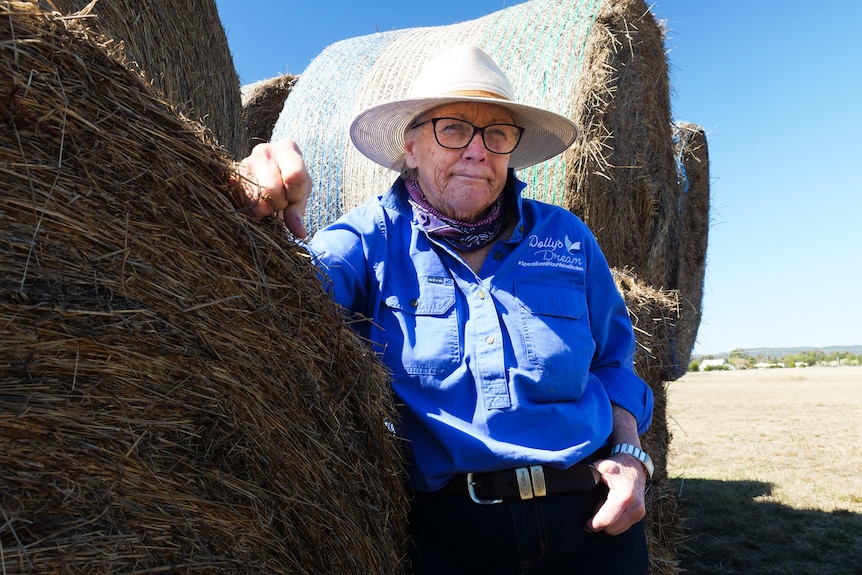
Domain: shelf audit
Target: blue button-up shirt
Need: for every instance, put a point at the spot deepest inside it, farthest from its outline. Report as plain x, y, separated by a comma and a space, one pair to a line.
517, 365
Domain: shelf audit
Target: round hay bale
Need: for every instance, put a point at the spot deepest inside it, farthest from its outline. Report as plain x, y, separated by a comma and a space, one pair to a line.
262, 102
600, 63
179, 394
181, 47
692, 156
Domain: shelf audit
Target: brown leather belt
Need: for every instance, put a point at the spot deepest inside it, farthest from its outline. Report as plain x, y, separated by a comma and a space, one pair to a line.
523, 482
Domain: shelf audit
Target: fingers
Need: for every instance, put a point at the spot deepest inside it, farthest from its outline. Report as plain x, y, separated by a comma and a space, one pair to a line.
624, 505
294, 177
292, 216
296, 185
276, 182
254, 199
615, 517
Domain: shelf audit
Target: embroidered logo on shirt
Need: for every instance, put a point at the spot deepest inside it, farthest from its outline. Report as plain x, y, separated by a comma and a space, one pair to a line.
555, 252
439, 280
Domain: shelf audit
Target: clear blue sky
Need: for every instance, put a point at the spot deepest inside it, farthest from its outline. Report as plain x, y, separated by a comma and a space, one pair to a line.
777, 86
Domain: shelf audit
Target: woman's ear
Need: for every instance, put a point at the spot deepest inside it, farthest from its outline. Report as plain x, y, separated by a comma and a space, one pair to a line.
409, 155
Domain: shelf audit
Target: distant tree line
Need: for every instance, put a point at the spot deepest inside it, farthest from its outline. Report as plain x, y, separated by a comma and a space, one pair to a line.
740, 359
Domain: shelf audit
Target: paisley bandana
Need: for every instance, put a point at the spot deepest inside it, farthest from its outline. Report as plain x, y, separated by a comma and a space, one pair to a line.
464, 236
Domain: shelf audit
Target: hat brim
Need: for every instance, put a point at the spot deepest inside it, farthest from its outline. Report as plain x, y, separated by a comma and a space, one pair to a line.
378, 132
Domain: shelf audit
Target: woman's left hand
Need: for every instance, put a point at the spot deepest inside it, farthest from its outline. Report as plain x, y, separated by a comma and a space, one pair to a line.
625, 477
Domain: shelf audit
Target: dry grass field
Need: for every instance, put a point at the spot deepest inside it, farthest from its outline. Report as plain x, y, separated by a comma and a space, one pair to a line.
768, 470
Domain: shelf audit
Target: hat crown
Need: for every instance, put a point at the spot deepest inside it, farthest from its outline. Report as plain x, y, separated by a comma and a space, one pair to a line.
462, 70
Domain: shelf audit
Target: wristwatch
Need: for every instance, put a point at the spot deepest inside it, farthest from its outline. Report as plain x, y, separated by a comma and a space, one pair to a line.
638, 454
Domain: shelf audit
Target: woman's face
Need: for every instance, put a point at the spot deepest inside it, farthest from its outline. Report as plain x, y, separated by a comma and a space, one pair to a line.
461, 184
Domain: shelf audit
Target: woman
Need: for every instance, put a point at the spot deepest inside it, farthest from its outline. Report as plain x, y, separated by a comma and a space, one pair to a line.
509, 345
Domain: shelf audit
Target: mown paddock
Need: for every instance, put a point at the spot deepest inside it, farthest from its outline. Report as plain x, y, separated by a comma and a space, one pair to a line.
602, 64
182, 48
178, 393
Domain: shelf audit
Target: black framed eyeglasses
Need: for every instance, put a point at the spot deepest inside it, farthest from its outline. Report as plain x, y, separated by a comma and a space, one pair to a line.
456, 134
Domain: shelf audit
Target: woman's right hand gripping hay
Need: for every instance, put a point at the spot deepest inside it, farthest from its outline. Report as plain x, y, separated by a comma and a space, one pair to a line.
276, 182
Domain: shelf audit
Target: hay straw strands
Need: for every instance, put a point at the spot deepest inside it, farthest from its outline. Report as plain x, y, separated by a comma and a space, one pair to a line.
654, 315
177, 392
663, 531
181, 47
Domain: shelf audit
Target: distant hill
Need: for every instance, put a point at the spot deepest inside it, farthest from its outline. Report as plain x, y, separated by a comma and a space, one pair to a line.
779, 352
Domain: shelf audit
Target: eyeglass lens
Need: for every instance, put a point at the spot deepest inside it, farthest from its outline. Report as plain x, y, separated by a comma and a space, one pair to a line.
455, 134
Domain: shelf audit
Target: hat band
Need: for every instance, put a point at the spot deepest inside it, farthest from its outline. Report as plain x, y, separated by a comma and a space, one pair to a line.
476, 94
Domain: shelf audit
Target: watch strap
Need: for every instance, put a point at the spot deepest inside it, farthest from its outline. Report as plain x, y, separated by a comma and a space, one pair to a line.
638, 454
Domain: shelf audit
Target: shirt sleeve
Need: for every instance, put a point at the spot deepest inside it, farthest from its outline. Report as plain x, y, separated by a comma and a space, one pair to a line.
343, 253
615, 345
339, 253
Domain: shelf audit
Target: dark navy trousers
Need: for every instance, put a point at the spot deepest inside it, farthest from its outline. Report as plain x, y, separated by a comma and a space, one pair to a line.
452, 535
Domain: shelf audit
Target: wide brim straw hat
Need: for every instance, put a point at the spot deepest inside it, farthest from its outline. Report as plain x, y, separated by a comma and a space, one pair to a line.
461, 74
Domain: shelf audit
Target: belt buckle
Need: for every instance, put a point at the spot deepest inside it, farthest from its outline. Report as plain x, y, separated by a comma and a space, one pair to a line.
472, 491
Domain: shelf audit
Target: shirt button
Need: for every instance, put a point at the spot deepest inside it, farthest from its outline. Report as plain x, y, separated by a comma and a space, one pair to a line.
490, 340
498, 256
414, 303
481, 294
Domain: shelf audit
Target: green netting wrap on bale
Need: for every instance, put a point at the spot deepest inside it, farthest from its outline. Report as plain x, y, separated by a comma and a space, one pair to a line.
181, 47
177, 392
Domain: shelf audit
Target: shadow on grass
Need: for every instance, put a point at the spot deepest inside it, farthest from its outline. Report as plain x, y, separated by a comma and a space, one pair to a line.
734, 527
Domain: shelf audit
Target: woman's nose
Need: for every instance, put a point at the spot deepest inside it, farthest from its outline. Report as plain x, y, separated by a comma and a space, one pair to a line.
477, 144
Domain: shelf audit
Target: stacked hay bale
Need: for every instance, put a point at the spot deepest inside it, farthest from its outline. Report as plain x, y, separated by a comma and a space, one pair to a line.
182, 48
262, 103
179, 395
692, 157
602, 64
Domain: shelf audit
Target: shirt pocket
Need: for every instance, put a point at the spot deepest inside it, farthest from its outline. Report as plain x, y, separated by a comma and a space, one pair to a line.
420, 324
558, 342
